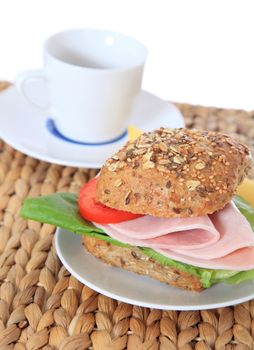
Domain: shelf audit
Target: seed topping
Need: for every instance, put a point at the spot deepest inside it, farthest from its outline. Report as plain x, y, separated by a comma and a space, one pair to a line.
190, 158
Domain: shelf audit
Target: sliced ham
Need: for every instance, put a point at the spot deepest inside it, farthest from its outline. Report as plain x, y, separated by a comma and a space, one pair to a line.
150, 226
239, 260
188, 239
224, 240
186, 233
235, 233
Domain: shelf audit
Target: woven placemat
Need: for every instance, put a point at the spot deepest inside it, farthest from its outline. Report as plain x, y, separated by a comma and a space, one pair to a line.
43, 306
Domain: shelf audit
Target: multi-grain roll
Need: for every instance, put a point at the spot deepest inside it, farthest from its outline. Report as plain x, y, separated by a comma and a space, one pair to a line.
174, 173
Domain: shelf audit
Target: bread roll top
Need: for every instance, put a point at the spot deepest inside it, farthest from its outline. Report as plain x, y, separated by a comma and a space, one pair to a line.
174, 173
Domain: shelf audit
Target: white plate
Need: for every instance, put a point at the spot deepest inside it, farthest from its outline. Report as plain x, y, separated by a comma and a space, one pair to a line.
139, 290
24, 127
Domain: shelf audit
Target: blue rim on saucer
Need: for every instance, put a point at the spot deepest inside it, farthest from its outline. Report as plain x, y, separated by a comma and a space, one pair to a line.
51, 127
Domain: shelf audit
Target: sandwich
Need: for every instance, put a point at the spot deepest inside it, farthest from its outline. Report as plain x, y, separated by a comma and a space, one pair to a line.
164, 206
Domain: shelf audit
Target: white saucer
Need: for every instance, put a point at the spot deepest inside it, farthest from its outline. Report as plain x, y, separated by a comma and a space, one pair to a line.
24, 127
140, 290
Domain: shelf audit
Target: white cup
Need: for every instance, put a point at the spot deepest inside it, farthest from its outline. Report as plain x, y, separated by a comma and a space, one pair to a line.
92, 77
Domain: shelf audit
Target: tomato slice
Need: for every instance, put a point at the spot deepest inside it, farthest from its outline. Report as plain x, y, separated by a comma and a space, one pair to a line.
92, 210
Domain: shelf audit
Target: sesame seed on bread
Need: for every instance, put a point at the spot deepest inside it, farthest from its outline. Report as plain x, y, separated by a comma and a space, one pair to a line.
174, 173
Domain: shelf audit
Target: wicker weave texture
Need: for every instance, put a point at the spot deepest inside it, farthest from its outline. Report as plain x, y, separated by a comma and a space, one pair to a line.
43, 306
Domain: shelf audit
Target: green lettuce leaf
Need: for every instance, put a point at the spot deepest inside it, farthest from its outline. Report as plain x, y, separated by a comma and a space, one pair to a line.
246, 209
61, 209
241, 277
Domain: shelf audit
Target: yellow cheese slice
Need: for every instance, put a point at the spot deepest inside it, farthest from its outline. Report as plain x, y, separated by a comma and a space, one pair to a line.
133, 132
246, 190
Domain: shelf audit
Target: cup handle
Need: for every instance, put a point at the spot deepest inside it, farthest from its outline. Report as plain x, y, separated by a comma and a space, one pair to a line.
28, 77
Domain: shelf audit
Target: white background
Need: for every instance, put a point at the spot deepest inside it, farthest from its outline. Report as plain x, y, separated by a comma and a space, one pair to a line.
200, 51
